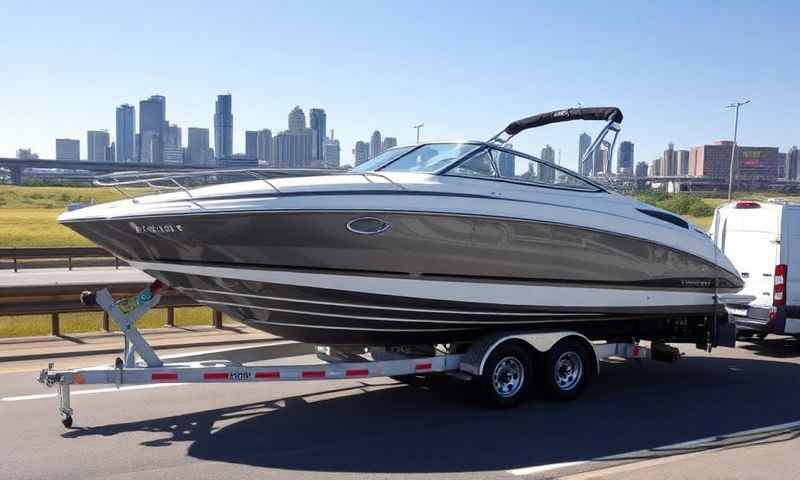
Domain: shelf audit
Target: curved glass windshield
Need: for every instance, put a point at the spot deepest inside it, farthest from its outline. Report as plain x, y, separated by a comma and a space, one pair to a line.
383, 158
430, 158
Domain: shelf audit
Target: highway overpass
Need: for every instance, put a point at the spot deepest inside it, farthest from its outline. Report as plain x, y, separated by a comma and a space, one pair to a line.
17, 166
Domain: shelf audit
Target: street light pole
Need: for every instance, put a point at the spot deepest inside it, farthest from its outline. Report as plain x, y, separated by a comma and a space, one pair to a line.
735, 105
418, 127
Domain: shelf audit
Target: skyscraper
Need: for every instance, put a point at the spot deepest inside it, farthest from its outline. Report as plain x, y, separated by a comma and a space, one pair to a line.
293, 148
96, 143
251, 143
174, 136
584, 142
264, 151
389, 142
297, 119
641, 169
360, 153
547, 174
669, 165
332, 153
68, 149
375, 144
625, 160
125, 133
602, 159
682, 162
152, 121
110, 153
317, 120
198, 151
792, 163
223, 126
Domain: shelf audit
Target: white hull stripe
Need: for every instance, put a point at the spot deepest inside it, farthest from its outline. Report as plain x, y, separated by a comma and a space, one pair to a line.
380, 307
445, 290
384, 319
360, 329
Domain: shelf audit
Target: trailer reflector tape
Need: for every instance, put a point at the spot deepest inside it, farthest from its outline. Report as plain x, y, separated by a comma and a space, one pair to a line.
216, 376
164, 376
268, 375
423, 366
79, 378
357, 372
314, 374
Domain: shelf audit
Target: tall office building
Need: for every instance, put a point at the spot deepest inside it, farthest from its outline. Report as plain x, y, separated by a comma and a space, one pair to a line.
251, 143
389, 142
360, 153
297, 119
68, 149
96, 143
682, 162
198, 151
506, 162
152, 128
641, 169
293, 148
655, 167
625, 159
793, 163
174, 135
110, 152
264, 150
782, 159
332, 153
669, 164
375, 144
317, 120
125, 133
223, 126
584, 142
547, 174
601, 164
173, 154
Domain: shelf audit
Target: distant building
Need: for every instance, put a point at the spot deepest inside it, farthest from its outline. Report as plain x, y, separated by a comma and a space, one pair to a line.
297, 119
389, 142
110, 152
782, 158
251, 143
375, 144
547, 174
655, 168
293, 148
625, 159
197, 150
505, 162
223, 125
360, 153
602, 159
68, 149
152, 128
584, 142
26, 154
174, 136
669, 166
332, 153
641, 169
751, 163
96, 143
793, 163
173, 154
238, 160
682, 161
264, 150
125, 133
317, 121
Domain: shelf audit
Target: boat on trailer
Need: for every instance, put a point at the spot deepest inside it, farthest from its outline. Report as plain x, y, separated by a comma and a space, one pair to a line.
437, 242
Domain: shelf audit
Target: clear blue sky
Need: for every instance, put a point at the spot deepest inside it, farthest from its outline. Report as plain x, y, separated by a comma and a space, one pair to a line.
465, 69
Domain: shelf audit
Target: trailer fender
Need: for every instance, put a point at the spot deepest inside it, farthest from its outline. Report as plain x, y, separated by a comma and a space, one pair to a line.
476, 357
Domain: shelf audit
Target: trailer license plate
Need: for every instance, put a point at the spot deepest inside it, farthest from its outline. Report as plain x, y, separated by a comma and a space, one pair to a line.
739, 312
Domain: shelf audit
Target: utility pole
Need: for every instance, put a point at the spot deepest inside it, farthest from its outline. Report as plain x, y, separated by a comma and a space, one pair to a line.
418, 127
735, 105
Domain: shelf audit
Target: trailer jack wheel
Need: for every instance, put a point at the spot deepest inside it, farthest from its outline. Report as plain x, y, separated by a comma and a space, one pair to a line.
506, 376
66, 420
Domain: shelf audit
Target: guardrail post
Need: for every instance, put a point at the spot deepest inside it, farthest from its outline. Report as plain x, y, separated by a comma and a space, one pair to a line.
55, 324
116, 263
104, 325
15, 265
216, 321
69, 263
170, 316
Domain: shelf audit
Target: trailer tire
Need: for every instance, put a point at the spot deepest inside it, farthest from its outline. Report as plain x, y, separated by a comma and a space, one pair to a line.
566, 370
507, 375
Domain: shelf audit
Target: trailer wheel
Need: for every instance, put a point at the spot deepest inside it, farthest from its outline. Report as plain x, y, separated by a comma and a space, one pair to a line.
567, 370
506, 376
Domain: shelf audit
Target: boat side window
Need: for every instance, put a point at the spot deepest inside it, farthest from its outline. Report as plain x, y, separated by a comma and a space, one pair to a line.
521, 169
479, 165
430, 158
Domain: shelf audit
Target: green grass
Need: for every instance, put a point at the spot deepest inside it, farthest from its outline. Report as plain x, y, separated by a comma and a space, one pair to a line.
71, 323
13, 196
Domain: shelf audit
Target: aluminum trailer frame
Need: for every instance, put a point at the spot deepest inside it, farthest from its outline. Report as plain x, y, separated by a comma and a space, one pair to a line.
460, 360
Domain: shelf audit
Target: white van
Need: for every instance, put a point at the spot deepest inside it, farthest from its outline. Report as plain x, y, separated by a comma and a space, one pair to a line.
762, 239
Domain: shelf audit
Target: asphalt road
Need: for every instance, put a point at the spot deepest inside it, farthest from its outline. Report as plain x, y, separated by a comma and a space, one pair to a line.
629, 424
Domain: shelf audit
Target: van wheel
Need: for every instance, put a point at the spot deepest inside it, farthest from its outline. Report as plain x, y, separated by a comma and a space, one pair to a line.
507, 375
567, 370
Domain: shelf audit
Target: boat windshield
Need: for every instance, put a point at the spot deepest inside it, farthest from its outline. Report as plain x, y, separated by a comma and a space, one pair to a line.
382, 159
430, 158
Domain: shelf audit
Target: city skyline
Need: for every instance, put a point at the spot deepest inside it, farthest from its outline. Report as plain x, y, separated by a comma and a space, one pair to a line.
687, 108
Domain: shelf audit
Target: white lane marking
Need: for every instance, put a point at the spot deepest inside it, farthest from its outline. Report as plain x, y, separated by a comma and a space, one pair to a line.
95, 390
652, 461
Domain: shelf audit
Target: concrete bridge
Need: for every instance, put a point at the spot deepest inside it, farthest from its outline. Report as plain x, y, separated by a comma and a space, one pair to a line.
17, 166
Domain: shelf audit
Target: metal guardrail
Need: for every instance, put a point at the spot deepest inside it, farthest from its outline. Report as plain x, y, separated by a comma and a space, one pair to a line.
51, 253
54, 300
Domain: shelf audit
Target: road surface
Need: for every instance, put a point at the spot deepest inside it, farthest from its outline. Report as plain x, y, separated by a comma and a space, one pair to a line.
631, 423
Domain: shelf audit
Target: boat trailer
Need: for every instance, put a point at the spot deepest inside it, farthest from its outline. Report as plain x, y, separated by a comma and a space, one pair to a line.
499, 360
